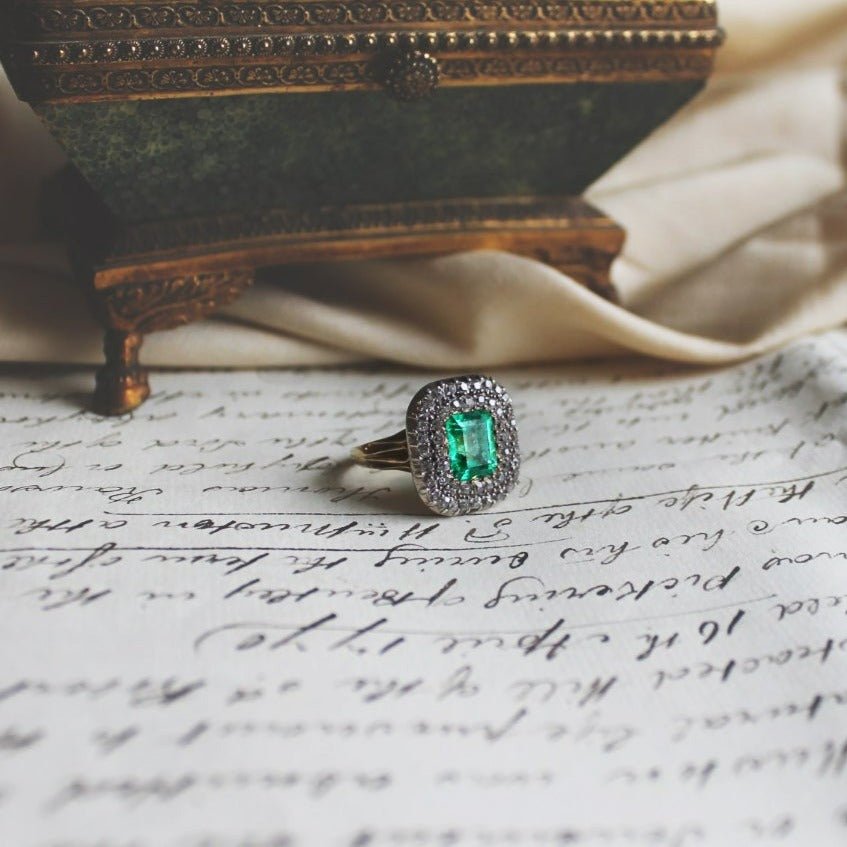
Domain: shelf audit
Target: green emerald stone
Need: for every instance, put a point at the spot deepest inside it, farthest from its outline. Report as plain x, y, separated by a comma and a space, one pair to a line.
471, 445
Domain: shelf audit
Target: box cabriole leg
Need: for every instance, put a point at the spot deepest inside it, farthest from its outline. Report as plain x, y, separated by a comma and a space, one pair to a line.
122, 384
130, 310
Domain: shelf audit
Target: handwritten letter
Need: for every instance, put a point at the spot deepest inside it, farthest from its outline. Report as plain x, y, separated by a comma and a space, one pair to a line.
216, 632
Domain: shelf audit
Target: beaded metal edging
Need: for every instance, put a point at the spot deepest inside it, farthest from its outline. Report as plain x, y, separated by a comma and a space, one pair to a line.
69, 53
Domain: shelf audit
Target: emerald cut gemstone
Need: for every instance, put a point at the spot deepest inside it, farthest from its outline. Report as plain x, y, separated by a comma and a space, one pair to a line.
471, 445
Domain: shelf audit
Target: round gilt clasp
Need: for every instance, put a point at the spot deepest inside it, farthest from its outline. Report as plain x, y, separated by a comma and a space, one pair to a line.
412, 76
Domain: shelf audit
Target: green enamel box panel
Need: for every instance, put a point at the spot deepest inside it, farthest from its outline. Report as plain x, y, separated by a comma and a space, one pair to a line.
158, 159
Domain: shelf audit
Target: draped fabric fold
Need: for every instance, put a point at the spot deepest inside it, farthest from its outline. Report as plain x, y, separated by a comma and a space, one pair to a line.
736, 213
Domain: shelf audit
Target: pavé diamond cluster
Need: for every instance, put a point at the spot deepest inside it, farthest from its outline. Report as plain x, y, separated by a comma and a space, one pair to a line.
463, 444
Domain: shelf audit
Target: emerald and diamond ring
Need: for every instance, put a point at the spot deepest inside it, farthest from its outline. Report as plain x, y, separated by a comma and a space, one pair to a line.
460, 444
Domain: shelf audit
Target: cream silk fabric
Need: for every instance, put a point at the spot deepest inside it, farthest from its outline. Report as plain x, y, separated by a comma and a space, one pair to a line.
736, 212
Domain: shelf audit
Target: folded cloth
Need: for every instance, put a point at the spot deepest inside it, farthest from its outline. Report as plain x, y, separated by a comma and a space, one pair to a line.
736, 213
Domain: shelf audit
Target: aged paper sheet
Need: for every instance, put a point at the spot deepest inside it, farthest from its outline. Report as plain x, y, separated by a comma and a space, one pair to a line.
215, 633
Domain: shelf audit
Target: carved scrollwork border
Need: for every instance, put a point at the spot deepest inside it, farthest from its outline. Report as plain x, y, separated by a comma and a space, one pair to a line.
50, 18
167, 303
57, 84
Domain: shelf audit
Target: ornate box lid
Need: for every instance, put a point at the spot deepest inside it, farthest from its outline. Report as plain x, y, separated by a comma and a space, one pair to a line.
79, 50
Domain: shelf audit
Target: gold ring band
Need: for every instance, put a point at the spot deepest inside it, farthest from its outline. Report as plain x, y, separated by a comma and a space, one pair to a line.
386, 454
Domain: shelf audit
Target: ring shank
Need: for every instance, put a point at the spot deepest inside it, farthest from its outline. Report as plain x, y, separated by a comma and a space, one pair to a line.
391, 453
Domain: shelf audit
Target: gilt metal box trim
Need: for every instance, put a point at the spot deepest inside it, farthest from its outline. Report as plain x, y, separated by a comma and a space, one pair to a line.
68, 51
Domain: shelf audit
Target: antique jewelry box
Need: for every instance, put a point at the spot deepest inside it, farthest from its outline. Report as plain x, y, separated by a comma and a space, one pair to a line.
212, 138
